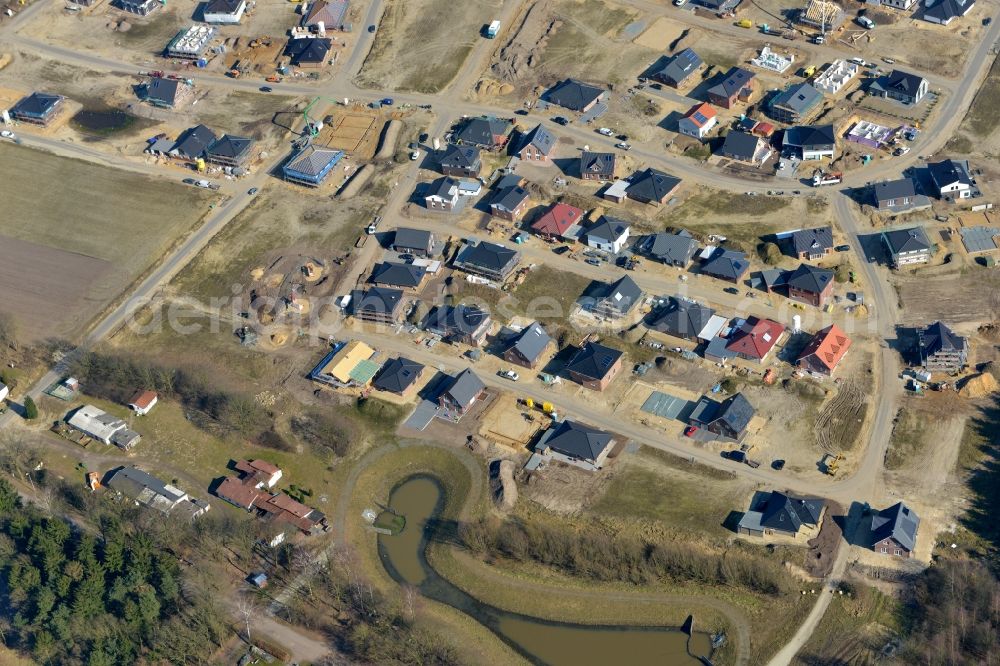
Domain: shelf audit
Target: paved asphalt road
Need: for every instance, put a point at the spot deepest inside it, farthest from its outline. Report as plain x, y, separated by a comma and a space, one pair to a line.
860, 485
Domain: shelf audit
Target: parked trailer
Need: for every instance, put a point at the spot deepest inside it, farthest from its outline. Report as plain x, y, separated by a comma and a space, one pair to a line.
821, 178
492, 30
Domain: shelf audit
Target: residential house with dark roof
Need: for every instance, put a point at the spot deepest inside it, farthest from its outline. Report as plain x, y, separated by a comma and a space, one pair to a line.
309, 52
594, 365
379, 305
673, 249
619, 299
811, 142
698, 121
397, 275
486, 132
754, 338
597, 166
461, 161
509, 203
812, 243
894, 530
311, 165
161, 92
228, 12
528, 347
898, 195
779, 514
729, 265
490, 260
417, 242
609, 234
907, 246
137, 7
796, 103
736, 86
809, 284
720, 7
38, 108
537, 145
901, 86
576, 444
465, 324
825, 351
557, 220
944, 12
652, 186
728, 419
678, 69
230, 151
951, 178
941, 349
462, 393
745, 147
575, 95
686, 319
145, 489
192, 143
400, 376
442, 194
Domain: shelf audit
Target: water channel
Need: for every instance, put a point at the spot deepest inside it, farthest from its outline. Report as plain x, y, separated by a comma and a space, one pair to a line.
420, 499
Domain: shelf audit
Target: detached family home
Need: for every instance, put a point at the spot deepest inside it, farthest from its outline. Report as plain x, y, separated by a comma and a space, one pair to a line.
687, 319
227, 12
38, 108
737, 86
673, 249
811, 142
576, 444
145, 489
536, 146
104, 427
230, 150
309, 52
597, 166
698, 121
492, 261
941, 349
486, 132
907, 246
461, 161
754, 338
745, 147
951, 178
901, 86
557, 220
812, 243
465, 324
825, 351
462, 393
895, 194
678, 69
594, 366
609, 234
944, 12
417, 242
783, 515
575, 95
652, 186
528, 347
378, 305
894, 530
809, 284
442, 194
399, 376
729, 418
795, 103
619, 299
509, 203
397, 275
729, 265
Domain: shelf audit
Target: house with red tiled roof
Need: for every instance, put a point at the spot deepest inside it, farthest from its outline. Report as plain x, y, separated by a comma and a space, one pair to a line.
142, 402
557, 220
754, 339
826, 349
699, 121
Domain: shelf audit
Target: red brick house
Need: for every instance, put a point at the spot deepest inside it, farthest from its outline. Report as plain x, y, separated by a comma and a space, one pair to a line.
811, 285
536, 146
594, 366
557, 220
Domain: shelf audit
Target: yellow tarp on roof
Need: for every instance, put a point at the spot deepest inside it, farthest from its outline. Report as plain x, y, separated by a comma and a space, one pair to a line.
348, 358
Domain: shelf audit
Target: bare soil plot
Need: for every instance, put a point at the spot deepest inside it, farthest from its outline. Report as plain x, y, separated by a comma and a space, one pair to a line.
660, 35
965, 298
45, 288
421, 44
107, 215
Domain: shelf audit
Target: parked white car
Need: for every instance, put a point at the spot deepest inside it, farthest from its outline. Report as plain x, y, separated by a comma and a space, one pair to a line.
605, 131
509, 374
7, 134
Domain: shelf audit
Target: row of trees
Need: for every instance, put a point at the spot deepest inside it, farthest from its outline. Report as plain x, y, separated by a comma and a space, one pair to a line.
72, 597
595, 554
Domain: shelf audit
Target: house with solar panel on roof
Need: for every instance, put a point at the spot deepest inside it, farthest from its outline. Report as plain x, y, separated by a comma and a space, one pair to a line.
527, 347
311, 165
38, 108
678, 69
737, 85
893, 531
594, 365
350, 364
536, 146
698, 121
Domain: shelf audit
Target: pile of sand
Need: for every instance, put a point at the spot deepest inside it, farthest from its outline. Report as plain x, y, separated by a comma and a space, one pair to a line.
257, 273
507, 497
311, 272
274, 279
523, 51
492, 88
979, 386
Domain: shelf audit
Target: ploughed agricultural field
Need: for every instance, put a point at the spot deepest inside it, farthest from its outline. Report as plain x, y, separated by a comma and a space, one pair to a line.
74, 235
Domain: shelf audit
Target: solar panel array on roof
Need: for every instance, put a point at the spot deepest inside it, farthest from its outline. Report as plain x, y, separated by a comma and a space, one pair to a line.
700, 117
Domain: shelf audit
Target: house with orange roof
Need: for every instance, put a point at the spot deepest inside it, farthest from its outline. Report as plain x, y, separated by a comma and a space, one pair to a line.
754, 338
557, 220
142, 402
698, 122
826, 349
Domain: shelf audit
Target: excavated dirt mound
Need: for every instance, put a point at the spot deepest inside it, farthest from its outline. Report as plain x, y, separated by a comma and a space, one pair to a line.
521, 53
979, 386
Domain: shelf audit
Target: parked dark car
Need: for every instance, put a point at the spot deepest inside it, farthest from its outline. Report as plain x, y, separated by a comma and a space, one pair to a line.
843, 248
778, 465
732, 290
735, 456
371, 28
559, 120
